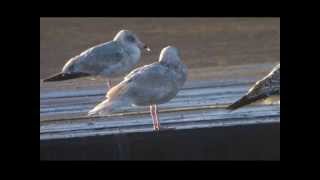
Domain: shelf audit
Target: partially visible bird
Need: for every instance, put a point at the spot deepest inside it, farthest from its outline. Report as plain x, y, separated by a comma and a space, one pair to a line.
148, 85
109, 60
267, 87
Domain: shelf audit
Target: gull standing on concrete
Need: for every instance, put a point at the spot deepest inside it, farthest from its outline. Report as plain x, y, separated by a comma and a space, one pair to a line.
111, 59
264, 88
148, 85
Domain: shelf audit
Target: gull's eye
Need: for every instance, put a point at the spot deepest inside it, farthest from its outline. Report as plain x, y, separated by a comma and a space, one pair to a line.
130, 39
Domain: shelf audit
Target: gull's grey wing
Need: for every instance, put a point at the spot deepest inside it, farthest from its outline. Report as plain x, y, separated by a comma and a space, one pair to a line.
97, 59
135, 71
268, 86
151, 84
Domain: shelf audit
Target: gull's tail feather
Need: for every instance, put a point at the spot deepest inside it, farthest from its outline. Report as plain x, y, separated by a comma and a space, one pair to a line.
115, 100
245, 100
65, 76
106, 107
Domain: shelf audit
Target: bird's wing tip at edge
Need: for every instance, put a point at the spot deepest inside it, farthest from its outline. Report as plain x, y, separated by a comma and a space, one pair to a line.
52, 77
65, 76
231, 107
243, 101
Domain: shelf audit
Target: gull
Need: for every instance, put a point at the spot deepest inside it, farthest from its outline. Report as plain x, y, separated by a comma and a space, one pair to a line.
267, 87
109, 60
148, 85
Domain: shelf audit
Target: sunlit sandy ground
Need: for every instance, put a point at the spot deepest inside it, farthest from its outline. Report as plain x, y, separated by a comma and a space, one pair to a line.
204, 42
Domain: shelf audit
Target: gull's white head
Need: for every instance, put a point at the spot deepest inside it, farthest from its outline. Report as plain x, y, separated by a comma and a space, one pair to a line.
128, 38
169, 55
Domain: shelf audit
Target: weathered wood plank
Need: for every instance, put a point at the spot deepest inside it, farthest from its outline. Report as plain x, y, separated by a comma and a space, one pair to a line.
190, 96
197, 105
142, 122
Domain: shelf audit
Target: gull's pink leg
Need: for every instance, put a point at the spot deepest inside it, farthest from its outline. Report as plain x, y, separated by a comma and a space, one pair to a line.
109, 84
157, 119
153, 117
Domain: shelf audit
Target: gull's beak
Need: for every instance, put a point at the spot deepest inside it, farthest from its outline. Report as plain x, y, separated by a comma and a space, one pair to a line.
146, 48
142, 45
